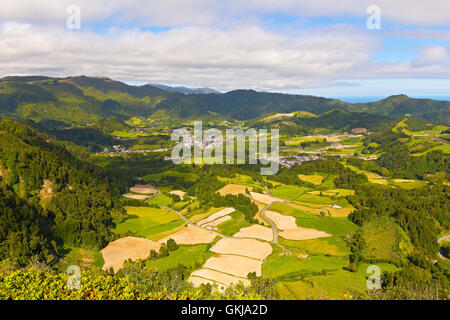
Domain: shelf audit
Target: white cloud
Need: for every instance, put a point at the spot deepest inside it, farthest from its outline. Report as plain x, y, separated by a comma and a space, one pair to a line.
244, 57
206, 12
207, 46
431, 56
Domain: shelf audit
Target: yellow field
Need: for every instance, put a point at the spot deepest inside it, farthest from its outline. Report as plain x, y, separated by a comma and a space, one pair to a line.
135, 196
264, 198
235, 265
313, 178
217, 215
143, 189
255, 231
191, 235
281, 221
300, 233
178, 193
234, 189
127, 248
219, 277
251, 248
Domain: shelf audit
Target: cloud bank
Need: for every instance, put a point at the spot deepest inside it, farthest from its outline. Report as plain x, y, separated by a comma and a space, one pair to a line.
221, 44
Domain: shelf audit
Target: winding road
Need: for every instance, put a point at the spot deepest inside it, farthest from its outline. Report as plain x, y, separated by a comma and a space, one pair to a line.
274, 228
179, 213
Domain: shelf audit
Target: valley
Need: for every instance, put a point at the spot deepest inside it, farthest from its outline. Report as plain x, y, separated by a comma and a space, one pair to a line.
96, 188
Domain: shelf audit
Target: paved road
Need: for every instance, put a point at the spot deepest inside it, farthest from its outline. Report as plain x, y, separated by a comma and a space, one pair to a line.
440, 240
179, 213
215, 232
274, 228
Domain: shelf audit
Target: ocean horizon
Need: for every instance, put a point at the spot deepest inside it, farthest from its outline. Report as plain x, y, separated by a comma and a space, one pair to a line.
374, 99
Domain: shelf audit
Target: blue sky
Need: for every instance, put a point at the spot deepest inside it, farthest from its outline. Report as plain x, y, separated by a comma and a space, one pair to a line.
320, 47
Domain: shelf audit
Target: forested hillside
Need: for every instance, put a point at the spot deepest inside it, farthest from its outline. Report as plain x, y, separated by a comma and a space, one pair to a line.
50, 198
84, 100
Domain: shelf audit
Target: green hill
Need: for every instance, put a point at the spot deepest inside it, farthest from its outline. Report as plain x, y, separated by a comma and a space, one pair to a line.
70, 201
84, 100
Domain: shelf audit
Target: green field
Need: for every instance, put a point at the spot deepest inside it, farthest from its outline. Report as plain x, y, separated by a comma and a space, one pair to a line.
232, 226
289, 192
188, 256
385, 241
156, 177
161, 200
317, 276
81, 257
243, 180
149, 222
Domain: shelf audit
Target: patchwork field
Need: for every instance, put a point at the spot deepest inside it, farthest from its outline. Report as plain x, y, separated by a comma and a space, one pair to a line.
235, 265
264, 198
217, 215
216, 276
312, 178
217, 221
191, 235
281, 221
188, 256
178, 193
289, 192
300, 233
149, 222
290, 230
255, 231
251, 248
143, 189
127, 248
234, 189
136, 196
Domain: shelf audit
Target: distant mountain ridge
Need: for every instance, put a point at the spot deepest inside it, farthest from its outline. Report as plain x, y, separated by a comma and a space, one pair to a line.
85, 100
185, 90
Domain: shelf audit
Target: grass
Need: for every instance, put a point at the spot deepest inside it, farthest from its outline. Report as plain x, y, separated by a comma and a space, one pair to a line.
233, 226
317, 199
332, 246
317, 277
84, 258
352, 140
161, 200
408, 184
332, 225
312, 178
149, 222
298, 290
289, 192
338, 192
278, 264
199, 213
156, 177
385, 241
242, 180
335, 286
188, 256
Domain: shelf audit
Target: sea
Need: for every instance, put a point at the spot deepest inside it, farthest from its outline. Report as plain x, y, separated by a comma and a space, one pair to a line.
373, 99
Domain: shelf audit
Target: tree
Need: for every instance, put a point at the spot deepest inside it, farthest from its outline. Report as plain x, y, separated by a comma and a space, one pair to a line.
172, 245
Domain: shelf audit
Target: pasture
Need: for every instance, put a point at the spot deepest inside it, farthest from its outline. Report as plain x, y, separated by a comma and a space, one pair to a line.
149, 222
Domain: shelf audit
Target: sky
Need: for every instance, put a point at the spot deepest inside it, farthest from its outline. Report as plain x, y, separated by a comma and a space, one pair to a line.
332, 48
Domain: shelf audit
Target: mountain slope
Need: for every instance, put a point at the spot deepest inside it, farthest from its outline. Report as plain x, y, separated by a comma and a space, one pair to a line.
401, 105
185, 90
72, 198
85, 100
